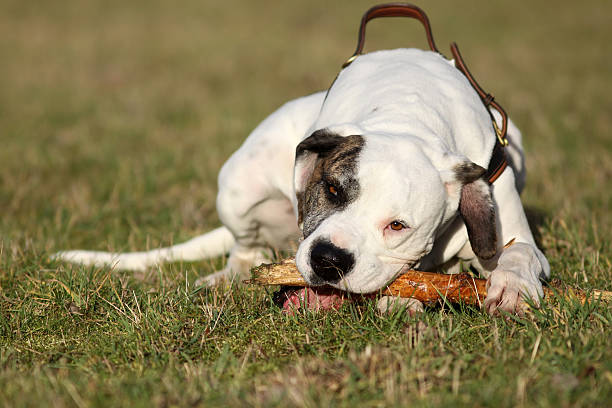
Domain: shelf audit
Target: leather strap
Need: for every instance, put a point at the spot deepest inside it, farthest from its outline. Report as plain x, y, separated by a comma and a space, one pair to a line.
498, 160
497, 164
394, 10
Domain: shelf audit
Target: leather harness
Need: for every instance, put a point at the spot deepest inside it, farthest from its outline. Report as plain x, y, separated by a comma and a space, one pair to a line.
498, 161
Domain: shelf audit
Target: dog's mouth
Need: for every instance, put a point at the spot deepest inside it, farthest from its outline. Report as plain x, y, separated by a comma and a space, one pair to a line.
292, 299
319, 296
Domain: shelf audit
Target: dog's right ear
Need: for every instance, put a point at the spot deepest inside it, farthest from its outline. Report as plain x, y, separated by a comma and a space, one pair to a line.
315, 146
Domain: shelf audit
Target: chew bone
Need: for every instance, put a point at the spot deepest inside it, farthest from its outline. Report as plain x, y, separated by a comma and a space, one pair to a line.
427, 287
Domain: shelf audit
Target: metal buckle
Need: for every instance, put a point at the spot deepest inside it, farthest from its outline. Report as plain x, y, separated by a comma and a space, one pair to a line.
348, 61
502, 139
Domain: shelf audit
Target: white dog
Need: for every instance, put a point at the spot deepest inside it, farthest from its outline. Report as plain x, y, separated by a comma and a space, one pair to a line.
382, 173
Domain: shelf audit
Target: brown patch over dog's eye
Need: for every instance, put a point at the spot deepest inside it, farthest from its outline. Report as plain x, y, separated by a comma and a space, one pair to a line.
330, 185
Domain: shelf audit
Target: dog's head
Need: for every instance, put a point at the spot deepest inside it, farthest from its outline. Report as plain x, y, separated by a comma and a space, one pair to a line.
371, 206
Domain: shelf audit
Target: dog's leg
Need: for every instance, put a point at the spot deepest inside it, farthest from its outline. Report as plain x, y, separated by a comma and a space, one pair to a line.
238, 267
260, 222
514, 153
255, 186
519, 268
212, 244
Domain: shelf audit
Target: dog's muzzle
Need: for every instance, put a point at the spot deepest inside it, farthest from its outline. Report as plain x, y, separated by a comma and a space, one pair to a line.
329, 262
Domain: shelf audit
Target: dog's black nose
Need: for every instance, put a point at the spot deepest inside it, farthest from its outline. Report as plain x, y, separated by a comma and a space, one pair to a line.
329, 262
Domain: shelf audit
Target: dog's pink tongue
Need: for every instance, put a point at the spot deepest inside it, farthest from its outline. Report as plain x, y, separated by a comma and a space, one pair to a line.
313, 299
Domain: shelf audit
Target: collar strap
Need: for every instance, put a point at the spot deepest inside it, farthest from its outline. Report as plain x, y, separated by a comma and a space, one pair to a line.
498, 160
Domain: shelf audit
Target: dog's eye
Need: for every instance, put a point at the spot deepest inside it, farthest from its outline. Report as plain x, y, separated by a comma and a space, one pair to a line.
396, 225
333, 190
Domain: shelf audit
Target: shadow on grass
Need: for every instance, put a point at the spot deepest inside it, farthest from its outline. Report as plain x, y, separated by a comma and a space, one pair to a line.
536, 218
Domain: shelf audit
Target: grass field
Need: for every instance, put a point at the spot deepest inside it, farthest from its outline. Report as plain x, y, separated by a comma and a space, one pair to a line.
115, 118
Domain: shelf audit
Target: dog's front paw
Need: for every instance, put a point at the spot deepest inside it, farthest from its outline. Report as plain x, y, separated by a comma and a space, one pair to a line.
224, 277
506, 290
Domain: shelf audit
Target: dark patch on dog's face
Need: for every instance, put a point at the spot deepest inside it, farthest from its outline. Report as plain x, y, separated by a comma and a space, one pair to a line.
332, 185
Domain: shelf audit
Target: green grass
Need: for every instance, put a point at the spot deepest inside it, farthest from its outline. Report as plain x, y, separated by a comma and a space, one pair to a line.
115, 118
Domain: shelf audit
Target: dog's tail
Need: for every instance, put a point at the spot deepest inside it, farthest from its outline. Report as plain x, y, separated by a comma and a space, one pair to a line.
214, 243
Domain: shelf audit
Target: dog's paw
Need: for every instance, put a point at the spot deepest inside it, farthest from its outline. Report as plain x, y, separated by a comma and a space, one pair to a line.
390, 304
507, 291
224, 277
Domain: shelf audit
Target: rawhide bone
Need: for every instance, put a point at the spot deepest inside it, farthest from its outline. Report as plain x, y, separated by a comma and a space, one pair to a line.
427, 287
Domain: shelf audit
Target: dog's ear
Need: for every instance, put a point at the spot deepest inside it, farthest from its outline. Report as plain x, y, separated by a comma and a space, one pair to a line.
477, 209
315, 146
